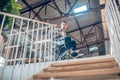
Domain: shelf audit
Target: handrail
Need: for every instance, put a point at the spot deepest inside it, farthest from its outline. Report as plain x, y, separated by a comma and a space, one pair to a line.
11, 15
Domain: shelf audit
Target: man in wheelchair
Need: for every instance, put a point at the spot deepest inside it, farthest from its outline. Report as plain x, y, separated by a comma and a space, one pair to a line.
68, 50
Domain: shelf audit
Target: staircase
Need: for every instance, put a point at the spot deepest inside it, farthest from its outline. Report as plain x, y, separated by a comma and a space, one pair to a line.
96, 66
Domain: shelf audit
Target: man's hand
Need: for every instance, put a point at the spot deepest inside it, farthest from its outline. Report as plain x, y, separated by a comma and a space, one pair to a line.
55, 25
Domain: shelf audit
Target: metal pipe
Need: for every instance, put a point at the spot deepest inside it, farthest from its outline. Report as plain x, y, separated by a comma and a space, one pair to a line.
3, 20
51, 47
48, 43
41, 47
31, 47
36, 48
45, 57
25, 49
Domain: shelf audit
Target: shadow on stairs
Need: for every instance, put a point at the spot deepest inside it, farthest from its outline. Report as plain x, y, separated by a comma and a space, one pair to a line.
90, 67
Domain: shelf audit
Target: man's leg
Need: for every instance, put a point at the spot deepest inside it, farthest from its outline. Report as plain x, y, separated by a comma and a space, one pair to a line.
68, 47
68, 42
73, 45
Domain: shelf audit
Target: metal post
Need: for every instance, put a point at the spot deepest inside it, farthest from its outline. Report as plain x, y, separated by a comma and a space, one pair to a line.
25, 49
3, 22
31, 47
40, 44
16, 49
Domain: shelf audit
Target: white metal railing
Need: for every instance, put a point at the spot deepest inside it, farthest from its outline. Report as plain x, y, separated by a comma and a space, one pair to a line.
28, 42
112, 15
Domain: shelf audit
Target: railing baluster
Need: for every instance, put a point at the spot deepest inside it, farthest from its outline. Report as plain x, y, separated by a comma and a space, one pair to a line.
16, 52
25, 50
31, 47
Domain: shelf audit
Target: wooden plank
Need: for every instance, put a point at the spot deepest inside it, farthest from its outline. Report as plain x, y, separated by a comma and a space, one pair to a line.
96, 72
105, 31
104, 26
71, 63
82, 67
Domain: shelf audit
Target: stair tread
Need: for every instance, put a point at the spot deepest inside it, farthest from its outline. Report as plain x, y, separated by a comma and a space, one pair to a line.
70, 63
82, 67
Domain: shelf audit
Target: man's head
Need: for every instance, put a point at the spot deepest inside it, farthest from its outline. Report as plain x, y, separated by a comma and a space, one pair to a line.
64, 25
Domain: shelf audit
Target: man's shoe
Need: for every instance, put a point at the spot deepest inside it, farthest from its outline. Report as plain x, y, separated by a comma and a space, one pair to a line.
79, 55
74, 54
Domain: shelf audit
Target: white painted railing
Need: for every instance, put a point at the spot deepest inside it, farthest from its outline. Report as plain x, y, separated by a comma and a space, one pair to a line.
112, 14
28, 42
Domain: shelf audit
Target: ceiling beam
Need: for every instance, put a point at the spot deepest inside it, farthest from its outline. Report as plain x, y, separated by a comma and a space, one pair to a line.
45, 12
55, 4
35, 5
97, 42
55, 8
71, 6
86, 26
38, 12
24, 1
71, 14
74, 38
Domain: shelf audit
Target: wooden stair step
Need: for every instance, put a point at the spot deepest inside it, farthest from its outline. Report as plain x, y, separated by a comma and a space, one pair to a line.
81, 67
84, 73
71, 63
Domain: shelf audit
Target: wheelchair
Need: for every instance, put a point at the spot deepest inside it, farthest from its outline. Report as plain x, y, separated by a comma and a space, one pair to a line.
63, 47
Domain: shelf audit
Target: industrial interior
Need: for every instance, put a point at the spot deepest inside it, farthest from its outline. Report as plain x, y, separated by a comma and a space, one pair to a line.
60, 40
87, 25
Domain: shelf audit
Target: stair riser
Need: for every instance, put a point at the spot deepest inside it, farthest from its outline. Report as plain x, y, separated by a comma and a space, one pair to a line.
59, 64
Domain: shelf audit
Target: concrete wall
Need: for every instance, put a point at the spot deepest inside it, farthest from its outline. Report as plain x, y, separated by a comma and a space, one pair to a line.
34, 68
